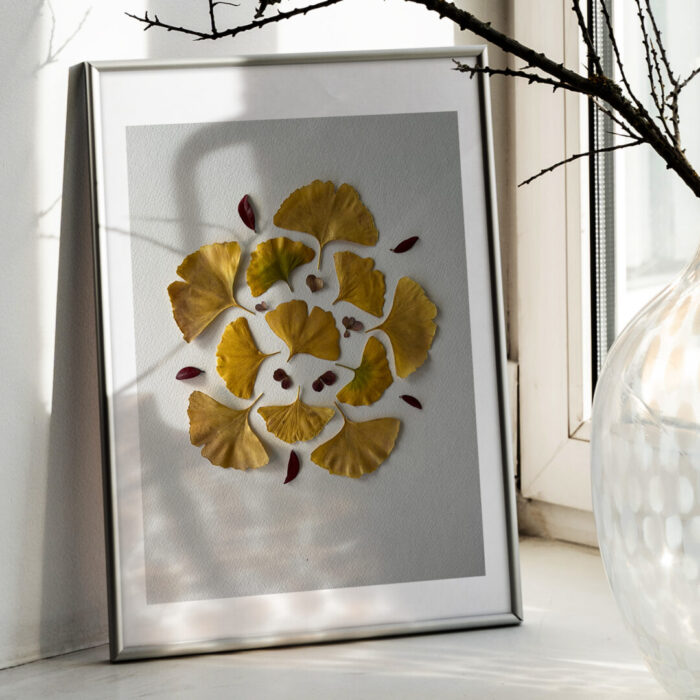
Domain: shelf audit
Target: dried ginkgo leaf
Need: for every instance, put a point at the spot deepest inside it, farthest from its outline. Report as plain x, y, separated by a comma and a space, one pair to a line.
208, 287
238, 358
372, 378
359, 283
314, 333
410, 326
328, 215
359, 448
227, 438
274, 260
296, 422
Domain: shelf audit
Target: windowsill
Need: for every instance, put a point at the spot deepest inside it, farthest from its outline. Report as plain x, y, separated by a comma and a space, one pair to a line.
572, 644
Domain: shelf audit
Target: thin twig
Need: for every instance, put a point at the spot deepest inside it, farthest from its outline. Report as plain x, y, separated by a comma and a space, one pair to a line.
684, 83
662, 48
509, 72
653, 67
212, 21
587, 38
613, 117
214, 34
586, 154
673, 95
618, 57
263, 5
155, 22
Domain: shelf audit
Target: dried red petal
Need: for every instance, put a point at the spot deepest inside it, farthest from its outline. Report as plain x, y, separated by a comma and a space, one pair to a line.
346, 334
411, 400
245, 211
286, 382
189, 373
262, 306
279, 374
405, 245
317, 385
357, 326
292, 467
348, 321
329, 378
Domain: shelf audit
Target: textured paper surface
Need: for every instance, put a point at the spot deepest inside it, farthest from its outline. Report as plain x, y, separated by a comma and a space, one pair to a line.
213, 533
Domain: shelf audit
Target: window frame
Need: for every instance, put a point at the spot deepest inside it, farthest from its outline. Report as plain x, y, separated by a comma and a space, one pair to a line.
553, 298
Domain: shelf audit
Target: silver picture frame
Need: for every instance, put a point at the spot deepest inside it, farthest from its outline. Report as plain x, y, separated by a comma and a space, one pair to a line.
140, 628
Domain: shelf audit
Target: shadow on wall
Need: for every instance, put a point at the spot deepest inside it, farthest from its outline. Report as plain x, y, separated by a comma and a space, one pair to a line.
73, 585
74, 595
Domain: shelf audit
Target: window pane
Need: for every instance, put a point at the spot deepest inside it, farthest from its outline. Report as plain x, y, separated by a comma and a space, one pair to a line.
652, 232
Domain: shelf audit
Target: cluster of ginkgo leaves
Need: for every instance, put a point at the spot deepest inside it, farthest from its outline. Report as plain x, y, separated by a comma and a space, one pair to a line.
207, 289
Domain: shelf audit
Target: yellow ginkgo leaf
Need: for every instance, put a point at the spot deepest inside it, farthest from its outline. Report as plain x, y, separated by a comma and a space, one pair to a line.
410, 326
274, 260
227, 438
372, 378
296, 422
359, 448
314, 333
328, 215
208, 287
359, 283
238, 358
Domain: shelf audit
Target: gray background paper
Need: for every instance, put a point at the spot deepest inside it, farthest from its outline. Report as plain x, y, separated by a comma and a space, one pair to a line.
215, 533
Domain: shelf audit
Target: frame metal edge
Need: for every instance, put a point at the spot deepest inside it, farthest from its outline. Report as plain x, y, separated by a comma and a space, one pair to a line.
108, 477
500, 340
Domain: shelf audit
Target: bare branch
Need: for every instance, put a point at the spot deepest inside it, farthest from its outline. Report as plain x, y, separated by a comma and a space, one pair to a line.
618, 100
599, 87
587, 38
578, 156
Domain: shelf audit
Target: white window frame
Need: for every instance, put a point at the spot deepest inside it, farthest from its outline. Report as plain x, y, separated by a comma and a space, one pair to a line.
553, 305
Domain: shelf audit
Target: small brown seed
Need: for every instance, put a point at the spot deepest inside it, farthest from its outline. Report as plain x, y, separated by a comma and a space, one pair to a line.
262, 306
286, 383
317, 385
314, 283
329, 378
279, 374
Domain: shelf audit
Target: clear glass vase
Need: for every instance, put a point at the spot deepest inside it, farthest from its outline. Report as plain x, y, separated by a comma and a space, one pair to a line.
646, 479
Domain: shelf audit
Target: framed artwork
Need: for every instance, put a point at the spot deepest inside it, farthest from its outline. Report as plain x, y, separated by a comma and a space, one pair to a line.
300, 333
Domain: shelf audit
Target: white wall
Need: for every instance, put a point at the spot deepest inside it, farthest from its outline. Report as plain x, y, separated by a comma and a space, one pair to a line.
52, 576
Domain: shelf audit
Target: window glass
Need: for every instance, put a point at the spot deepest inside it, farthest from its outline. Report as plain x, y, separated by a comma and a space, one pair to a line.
646, 227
